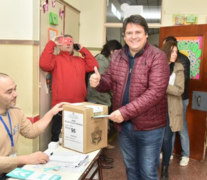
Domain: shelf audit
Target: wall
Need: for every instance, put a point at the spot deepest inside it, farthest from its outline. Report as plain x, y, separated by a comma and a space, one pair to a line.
154, 39
19, 51
114, 33
18, 23
17, 61
75, 3
91, 21
35, 20
183, 7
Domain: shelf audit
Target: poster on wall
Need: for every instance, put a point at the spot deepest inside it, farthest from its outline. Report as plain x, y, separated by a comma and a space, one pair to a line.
183, 19
52, 33
192, 48
48, 83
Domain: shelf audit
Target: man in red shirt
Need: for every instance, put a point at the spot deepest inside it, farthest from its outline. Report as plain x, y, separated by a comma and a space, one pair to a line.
68, 74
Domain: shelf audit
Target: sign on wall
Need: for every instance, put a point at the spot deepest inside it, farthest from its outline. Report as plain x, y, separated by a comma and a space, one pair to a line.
52, 33
192, 48
183, 19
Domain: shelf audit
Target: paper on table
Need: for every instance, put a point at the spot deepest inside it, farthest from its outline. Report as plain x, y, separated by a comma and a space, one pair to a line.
101, 116
72, 159
63, 166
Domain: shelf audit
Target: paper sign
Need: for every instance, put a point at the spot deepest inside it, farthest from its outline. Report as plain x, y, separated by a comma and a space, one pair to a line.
73, 130
97, 110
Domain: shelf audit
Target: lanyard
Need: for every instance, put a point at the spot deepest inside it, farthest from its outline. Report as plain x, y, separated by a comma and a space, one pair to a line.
7, 129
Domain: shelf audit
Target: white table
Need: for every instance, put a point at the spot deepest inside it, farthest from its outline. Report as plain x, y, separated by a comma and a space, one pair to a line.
92, 168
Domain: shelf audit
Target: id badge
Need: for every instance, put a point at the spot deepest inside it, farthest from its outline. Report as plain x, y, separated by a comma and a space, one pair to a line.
13, 153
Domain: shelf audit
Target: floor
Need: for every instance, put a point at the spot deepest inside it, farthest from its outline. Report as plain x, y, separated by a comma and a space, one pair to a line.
194, 171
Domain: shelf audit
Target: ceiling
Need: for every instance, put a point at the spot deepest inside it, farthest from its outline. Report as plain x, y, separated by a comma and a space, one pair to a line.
142, 2
149, 6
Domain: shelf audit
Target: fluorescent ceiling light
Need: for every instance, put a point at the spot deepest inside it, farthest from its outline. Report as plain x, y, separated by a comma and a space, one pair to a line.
118, 15
113, 9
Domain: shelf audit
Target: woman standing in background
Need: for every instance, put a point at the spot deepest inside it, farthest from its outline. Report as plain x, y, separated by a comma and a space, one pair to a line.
175, 107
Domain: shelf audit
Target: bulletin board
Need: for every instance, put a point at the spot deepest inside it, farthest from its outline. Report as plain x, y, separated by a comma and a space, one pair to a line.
192, 47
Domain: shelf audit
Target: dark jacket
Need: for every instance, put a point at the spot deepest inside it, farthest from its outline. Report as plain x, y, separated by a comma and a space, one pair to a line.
186, 64
147, 107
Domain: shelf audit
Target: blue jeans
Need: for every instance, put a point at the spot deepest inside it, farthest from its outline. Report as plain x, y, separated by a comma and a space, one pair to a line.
184, 137
167, 144
140, 150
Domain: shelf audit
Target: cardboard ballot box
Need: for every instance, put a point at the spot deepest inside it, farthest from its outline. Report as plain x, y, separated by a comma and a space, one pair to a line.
81, 132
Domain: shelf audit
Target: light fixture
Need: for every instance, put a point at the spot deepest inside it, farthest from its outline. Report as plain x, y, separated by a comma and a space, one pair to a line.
148, 13
115, 11
130, 10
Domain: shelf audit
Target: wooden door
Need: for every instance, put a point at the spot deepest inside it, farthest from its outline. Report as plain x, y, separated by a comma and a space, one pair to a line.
196, 119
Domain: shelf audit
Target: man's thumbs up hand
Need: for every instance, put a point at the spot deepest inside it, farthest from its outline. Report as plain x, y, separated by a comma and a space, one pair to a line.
96, 71
95, 78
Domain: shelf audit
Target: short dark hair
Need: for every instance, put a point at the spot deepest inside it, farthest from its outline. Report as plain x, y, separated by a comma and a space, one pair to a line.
110, 46
67, 35
170, 38
167, 49
136, 19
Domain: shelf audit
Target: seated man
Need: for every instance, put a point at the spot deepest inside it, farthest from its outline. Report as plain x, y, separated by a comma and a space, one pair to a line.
12, 123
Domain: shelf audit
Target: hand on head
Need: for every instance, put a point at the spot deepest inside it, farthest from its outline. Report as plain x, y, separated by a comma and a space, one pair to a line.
95, 78
56, 39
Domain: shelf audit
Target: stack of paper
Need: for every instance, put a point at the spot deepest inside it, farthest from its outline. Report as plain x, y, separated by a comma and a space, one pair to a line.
71, 159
